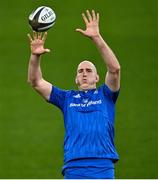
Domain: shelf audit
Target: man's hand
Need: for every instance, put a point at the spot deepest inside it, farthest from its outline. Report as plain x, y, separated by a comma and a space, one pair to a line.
92, 24
37, 43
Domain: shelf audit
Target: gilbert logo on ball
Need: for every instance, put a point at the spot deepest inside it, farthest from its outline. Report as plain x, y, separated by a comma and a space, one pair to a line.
42, 18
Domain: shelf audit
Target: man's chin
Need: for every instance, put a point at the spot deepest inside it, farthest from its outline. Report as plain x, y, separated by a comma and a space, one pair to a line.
85, 87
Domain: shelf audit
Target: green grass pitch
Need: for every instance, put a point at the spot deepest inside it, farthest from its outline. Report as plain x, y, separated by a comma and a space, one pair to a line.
32, 131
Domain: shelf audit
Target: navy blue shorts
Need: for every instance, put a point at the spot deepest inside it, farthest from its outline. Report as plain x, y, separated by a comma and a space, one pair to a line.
89, 173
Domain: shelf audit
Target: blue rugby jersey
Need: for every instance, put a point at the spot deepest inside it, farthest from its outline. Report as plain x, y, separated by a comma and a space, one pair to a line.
89, 122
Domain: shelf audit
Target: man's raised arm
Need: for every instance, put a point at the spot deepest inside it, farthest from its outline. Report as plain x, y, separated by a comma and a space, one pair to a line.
35, 78
112, 78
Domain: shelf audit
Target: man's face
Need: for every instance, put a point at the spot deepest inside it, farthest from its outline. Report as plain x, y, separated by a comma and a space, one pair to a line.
86, 77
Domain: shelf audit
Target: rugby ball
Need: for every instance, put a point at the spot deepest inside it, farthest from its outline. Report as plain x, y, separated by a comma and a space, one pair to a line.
42, 18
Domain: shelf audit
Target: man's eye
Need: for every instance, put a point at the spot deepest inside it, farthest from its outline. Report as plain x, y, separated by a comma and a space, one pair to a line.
80, 71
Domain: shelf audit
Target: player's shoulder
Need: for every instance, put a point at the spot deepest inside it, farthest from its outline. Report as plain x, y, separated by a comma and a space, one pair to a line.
107, 92
105, 88
102, 88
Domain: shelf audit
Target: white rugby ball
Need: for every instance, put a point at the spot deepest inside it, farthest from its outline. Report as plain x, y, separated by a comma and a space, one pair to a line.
42, 18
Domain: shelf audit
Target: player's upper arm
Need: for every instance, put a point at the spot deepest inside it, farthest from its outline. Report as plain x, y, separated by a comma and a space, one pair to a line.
44, 88
112, 80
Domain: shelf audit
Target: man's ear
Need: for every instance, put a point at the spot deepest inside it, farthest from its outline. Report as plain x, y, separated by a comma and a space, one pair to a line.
97, 78
76, 81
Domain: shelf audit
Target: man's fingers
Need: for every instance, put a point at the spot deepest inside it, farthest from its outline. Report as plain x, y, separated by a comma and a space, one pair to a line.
89, 15
34, 35
47, 50
93, 15
98, 17
81, 31
30, 38
84, 18
44, 36
40, 35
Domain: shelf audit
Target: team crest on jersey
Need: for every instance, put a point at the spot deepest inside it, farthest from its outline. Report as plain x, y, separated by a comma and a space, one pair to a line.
85, 101
77, 96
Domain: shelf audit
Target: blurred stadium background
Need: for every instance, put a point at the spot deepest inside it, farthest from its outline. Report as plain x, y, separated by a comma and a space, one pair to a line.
32, 131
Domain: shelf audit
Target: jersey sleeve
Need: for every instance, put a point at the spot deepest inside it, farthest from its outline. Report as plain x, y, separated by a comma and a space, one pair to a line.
57, 97
108, 92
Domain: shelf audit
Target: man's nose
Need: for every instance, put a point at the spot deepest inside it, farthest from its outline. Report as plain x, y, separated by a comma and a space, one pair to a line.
84, 73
